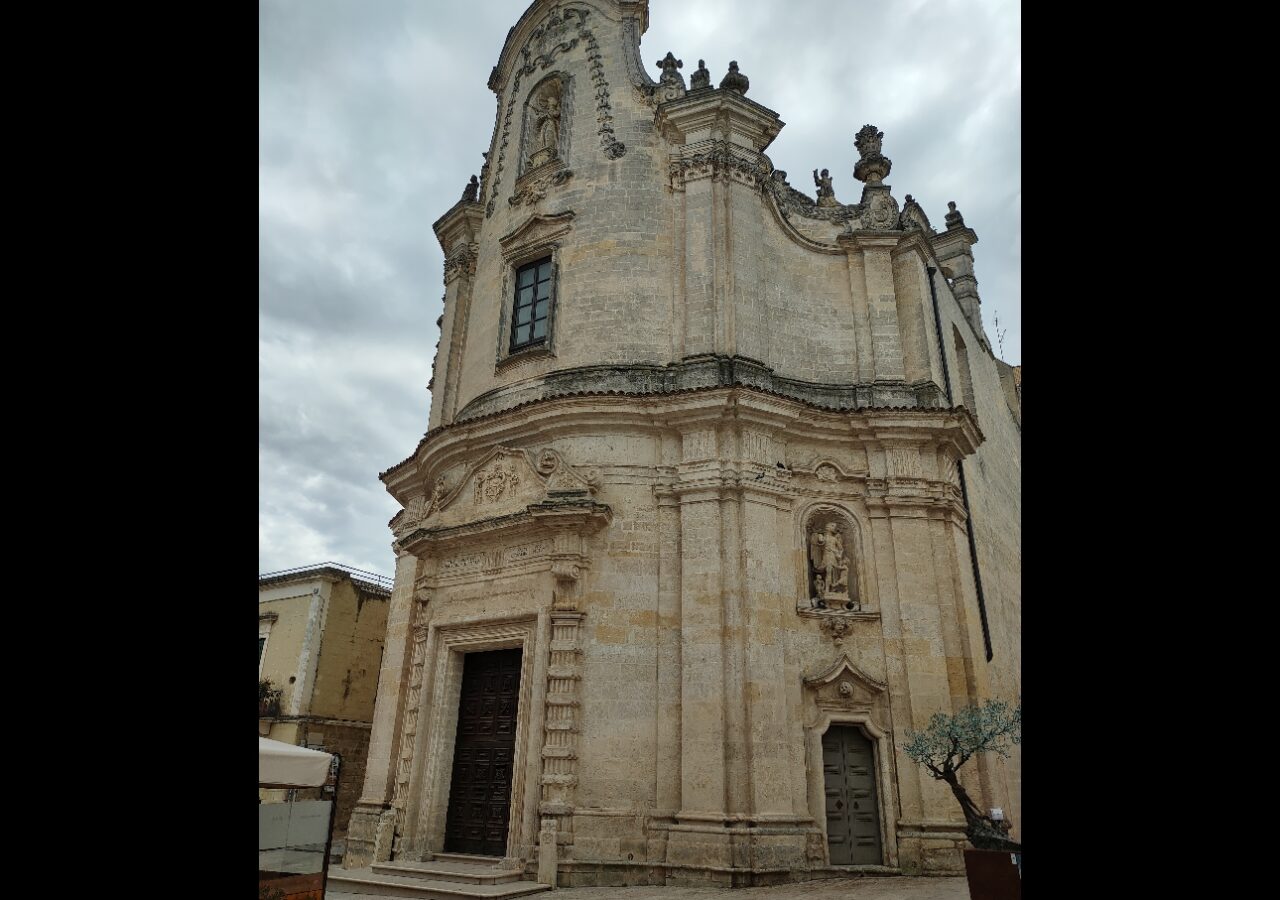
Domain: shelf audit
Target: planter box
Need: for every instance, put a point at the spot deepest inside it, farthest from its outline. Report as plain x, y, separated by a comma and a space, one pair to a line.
993, 874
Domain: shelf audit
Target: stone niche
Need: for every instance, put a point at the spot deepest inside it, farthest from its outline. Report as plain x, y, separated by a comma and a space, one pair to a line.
545, 124
833, 570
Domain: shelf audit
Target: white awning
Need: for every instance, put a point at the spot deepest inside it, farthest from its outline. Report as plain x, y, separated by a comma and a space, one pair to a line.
285, 764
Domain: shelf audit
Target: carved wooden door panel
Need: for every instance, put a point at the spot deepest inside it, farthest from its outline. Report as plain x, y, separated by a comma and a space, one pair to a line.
480, 791
853, 813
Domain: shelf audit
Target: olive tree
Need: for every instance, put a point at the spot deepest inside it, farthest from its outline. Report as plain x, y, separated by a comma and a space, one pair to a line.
950, 741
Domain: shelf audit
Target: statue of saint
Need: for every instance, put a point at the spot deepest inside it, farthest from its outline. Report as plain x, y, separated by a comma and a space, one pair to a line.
826, 193
546, 130
826, 552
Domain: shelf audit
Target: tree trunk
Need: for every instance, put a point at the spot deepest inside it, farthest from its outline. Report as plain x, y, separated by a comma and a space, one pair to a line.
983, 832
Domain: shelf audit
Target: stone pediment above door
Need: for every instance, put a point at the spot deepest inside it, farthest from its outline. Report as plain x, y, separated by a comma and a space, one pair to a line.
843, 685
507, 481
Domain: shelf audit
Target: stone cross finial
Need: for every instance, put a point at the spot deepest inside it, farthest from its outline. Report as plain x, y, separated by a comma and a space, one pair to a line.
471, 192
671, 83
874, 166
701, 78
954, 219
735, 80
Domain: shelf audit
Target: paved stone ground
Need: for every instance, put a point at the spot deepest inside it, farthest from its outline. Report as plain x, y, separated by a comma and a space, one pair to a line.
887, 888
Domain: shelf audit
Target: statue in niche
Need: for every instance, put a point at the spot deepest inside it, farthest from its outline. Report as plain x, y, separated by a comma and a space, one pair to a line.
826, 193
546, 127
830, 569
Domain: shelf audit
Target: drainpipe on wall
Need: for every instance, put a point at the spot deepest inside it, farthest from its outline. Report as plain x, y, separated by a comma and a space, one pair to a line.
964, 487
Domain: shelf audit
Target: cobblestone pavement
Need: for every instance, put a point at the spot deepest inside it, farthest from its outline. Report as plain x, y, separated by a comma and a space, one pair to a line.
888, 888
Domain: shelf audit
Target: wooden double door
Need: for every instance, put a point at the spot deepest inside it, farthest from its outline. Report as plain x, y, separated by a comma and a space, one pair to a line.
480, 790
853, 809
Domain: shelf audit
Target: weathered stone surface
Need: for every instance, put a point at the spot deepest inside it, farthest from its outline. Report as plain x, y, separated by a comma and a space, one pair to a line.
730, 368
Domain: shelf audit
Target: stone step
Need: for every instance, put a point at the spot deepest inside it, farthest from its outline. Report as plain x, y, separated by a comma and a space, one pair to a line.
468, 858
366, 882
450, 870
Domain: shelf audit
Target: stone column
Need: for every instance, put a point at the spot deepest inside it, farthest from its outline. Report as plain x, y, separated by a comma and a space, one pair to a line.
766, 565
882, 307
954, 250
719, 137
921, 364
458, 231
373, 821
453, 342
562, 722
700, 323
702, 725
667, 736
409, 730
861, 311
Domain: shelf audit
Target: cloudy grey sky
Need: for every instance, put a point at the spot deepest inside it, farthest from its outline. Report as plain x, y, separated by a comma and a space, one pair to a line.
373, 115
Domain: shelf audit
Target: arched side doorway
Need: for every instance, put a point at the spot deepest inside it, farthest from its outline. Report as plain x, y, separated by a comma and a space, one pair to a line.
850, 785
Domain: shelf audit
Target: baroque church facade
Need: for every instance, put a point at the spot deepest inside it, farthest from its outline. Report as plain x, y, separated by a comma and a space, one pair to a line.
719, 498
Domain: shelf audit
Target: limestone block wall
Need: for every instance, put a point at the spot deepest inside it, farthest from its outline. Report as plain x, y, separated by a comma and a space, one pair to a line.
350, 653
994, 477
809, 330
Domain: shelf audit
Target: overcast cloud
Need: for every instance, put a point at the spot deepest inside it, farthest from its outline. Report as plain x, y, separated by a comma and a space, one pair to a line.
373, 115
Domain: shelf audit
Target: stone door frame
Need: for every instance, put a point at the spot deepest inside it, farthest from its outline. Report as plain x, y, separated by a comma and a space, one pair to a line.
886, 795
447, 644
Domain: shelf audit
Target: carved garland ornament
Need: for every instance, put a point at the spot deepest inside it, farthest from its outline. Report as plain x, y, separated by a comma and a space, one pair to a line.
720, 163
793, 202
462, 261
543, 47
536, 189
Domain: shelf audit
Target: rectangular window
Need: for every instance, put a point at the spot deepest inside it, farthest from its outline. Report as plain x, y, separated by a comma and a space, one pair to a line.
262, 643
532, 308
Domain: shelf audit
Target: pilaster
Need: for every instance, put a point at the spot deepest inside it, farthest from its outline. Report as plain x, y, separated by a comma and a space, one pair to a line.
458, 231
373, 820
954, 251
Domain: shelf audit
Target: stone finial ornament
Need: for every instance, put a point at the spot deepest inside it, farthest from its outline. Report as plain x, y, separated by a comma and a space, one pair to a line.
954, 219
671, 82
826, 193
471, 192
735, 80
874, 166
701, 78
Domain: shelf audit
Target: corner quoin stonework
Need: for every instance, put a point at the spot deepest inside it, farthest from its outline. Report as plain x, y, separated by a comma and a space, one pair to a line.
731, 367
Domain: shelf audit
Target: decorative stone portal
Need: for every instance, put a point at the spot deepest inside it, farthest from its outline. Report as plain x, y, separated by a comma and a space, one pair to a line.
847, 748
429, 805
480, 790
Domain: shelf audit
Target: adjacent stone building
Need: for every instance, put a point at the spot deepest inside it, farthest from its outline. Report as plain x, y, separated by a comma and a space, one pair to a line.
720, 496
320, 633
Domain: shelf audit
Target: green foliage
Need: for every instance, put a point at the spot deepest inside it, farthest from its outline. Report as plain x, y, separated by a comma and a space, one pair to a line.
951, 741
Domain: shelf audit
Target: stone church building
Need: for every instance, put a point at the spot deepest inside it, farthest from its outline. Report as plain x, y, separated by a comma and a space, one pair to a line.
720, 496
